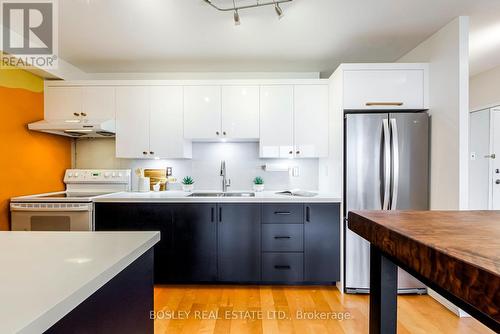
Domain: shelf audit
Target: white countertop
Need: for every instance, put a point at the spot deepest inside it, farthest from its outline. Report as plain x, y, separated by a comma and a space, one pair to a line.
181, 196
45, 275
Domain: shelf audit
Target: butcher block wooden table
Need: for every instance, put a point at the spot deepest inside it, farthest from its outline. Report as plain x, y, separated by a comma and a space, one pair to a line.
456, 253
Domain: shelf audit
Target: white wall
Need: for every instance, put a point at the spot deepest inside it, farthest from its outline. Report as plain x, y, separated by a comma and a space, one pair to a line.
485, 89
447, 54
242, 163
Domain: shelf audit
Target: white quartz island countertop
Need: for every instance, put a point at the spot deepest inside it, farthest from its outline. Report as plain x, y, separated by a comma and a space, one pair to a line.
184, 197
45, 275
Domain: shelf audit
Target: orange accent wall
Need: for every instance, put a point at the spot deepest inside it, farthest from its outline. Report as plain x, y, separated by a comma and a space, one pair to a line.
30, 162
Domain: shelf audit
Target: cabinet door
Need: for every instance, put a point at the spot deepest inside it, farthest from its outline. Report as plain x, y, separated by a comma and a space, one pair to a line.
239, 242
311, 121
132, 122
276, 121
61, 103
240, 112
141, 217
322, 242
194, 251
384, 89
99, 102
202, 112
166, 136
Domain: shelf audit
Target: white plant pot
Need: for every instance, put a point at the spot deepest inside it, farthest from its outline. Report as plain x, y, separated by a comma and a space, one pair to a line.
258, 187
188, 187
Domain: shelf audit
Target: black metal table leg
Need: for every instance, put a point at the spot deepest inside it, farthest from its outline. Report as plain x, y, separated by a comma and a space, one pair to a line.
383, 293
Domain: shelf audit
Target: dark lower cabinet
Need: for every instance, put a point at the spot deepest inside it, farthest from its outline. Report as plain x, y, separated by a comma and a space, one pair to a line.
214, 242
187, 251
140, 217
194, 243
239, 242
322, 242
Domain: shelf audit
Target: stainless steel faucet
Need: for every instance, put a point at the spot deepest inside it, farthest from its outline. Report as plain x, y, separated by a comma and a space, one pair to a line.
225, 182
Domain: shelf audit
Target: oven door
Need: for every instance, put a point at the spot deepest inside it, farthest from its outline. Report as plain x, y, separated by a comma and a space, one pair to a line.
51, 216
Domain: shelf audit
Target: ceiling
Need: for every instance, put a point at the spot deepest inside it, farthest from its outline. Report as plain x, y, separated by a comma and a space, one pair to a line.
313, 36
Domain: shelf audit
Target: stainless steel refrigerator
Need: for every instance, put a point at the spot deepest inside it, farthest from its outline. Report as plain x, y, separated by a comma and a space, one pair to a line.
386, 168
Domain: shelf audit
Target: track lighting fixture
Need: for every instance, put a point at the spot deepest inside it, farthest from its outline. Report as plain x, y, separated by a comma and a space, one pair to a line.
236, 9
236, 16
278, 10
237, 21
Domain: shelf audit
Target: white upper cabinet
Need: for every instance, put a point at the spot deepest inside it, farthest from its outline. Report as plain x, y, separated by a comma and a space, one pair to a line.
63, 103
276, 121
311, 121
149, 123
99, 102
202, 112
166, 136
240, 112
132, 122
384, 89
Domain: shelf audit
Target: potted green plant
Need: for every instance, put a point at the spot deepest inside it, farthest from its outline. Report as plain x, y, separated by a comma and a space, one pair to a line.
258, 184
187, 183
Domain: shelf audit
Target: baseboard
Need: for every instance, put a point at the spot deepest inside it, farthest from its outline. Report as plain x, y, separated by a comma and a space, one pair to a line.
450, 306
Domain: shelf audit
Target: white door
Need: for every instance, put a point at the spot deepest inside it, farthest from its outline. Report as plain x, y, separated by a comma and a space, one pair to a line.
276, 121
132, 122
240, 112
479, 161
166, 134
99, 102
384, 89
495, 163
63, 103
202, 112
311, 121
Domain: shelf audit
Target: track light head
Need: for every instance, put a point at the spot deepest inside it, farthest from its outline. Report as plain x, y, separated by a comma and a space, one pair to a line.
236, 17
278, 10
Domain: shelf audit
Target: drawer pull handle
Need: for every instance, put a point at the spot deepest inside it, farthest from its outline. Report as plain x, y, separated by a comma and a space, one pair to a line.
282, 213
282, 267
371, 104
282, 237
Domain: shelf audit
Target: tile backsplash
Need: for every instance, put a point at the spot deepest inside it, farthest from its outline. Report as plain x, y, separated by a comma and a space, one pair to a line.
242, 163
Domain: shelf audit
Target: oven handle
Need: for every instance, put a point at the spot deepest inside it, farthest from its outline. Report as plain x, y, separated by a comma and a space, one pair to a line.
18, 208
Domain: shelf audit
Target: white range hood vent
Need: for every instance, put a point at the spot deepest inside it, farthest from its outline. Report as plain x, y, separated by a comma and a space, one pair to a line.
76, 128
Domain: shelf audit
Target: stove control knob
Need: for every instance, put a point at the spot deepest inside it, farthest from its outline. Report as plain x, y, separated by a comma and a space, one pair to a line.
76, 174
114, 174
106, 174
70, 174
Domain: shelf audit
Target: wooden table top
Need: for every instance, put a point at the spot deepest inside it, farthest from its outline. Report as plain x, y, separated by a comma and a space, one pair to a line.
457, 250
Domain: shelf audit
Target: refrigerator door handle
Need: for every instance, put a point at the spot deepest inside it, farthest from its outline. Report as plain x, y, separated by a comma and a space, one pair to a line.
387, 164
395, 162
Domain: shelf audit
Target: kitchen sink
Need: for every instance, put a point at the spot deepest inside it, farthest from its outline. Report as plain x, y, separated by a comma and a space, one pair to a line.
206, 195
242, 194
239, 194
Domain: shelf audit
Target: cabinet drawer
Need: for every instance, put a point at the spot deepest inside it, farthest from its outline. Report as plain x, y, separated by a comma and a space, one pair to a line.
384, 89
283, 213
282, 267
282, 238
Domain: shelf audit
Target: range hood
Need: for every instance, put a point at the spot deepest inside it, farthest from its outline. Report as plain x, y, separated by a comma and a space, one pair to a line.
76, 128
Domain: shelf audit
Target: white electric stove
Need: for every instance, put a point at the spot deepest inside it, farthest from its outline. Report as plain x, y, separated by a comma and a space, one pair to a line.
70, 210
